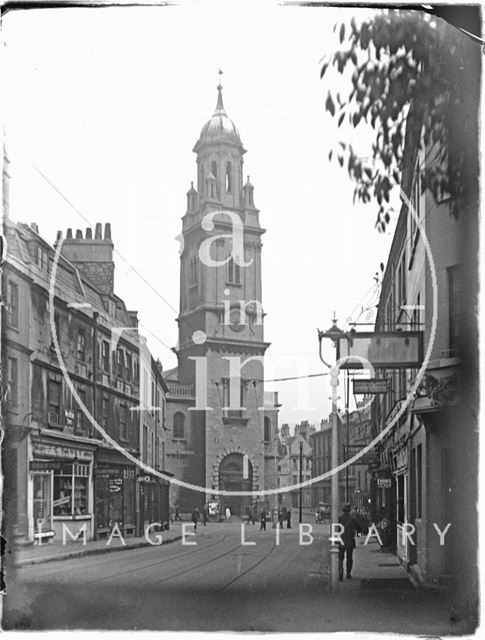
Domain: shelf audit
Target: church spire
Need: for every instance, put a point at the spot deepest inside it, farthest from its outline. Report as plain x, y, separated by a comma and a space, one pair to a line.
220, 105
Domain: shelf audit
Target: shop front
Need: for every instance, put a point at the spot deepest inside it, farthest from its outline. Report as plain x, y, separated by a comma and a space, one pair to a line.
61, 488
153, 502
115, 495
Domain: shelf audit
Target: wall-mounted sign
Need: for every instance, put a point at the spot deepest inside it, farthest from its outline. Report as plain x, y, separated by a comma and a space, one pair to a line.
58, 451
372, 386
44, 465
384, 483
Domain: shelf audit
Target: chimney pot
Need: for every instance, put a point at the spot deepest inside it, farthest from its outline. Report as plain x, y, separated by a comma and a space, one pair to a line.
79, 234
107, 231
69, 234
98, 231
34, 226
89, 233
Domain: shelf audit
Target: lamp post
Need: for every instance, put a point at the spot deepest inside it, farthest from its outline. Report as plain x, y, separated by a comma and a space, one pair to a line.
300, 515
333, 333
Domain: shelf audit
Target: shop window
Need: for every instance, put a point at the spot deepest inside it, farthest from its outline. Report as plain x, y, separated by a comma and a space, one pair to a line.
105, 356
42, 502
123, 423
13, 304
179, 426
267, 429
12, 383
81, 344
54, 403
71, 484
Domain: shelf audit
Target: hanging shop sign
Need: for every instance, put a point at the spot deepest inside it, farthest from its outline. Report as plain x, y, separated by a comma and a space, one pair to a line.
373, 386
384, 483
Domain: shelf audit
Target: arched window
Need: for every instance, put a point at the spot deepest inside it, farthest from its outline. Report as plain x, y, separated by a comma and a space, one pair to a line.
267, 429
179, 425
228, 177
233, 272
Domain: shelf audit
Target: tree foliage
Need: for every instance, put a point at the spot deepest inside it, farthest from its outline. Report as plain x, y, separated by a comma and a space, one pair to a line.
406, 62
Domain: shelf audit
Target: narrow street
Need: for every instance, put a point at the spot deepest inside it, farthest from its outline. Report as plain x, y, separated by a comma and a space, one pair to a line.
216, 585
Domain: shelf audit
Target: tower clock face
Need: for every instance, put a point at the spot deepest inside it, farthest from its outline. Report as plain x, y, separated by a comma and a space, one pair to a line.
235, 319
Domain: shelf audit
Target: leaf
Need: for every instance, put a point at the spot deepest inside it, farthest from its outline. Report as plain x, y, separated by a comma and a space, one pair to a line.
341, 161
330, 154
342, 33
323, 69
341, 119
329, 105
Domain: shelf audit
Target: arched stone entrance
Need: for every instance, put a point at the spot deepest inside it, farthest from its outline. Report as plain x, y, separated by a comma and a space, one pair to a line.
231, 478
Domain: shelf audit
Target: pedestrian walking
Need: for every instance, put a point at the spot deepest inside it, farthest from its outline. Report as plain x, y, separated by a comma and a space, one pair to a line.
195, 517
281, 517
346, 549
288, 518
205, 514
264, 515
251, 516
228, 514
177, 512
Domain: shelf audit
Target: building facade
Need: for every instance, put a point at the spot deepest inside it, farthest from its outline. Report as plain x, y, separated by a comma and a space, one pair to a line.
429, 460
222, 428
71, 361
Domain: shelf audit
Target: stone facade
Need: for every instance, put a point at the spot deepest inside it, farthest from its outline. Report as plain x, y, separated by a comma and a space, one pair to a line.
224, 443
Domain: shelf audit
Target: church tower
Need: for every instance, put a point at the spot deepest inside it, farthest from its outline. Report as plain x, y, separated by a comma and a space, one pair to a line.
229, 433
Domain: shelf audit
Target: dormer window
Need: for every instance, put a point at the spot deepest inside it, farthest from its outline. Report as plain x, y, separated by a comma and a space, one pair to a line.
42, 258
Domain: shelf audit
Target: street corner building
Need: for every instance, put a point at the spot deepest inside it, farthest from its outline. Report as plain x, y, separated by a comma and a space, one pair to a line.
62, 476
225, 425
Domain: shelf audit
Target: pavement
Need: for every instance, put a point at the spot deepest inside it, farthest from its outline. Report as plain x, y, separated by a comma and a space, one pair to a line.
55, 550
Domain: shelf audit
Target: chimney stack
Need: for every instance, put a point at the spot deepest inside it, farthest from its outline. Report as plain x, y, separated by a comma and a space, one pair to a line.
93, 257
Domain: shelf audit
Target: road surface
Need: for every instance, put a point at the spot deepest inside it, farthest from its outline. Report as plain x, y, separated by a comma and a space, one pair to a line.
217, 585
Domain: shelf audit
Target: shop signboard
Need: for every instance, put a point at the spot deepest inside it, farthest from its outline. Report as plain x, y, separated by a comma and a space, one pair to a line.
59, 451
44, 465
384, 483
350, 450
372, 386
384, 350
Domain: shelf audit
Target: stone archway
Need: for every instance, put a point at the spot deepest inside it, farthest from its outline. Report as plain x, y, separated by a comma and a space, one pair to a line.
231, 478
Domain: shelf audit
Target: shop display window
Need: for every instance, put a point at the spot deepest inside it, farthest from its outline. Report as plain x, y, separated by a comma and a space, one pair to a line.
71, 484
42, 502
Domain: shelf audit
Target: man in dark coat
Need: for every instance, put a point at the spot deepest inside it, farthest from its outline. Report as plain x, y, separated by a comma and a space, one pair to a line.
288, 518
348, 537
263, 520
195, 517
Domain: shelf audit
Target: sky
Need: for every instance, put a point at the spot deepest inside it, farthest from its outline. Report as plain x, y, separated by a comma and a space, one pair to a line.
108, 103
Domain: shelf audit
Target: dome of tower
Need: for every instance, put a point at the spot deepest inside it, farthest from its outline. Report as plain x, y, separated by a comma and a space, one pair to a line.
220, 128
